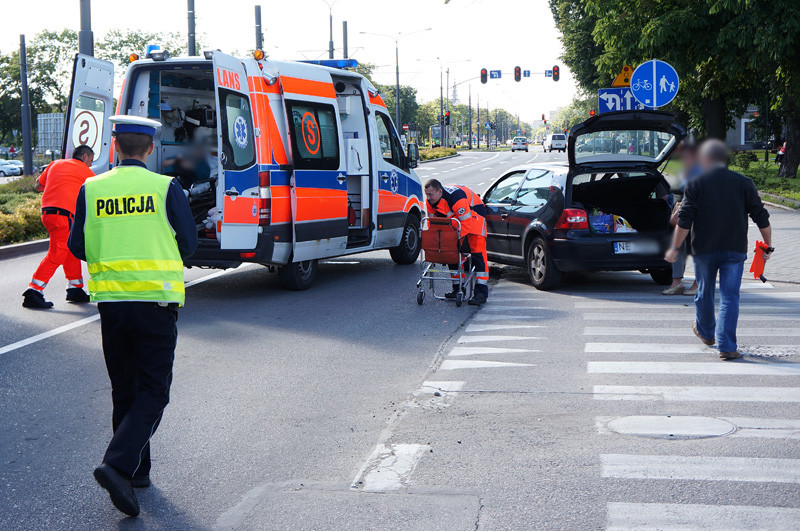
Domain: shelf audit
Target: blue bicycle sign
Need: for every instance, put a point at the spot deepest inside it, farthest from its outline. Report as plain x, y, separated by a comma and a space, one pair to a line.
654, 83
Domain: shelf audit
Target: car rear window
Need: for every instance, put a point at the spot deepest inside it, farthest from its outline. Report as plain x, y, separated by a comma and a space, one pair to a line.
520, 139
559, 137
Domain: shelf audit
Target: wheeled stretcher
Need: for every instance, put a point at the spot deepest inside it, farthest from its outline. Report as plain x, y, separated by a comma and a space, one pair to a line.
443, 260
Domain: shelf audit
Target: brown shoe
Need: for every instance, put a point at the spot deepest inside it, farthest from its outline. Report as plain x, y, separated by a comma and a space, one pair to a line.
708, 342
729, 355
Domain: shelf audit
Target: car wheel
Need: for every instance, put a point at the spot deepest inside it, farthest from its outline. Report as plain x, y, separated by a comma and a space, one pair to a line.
2, 173
526, 151
541, 269
662, 277
298, 276
408, 251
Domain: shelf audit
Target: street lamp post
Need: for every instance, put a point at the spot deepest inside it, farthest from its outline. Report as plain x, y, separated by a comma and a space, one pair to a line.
396, 38
330, 4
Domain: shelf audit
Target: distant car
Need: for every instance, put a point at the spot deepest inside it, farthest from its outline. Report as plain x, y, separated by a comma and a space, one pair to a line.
555, 141
602, 212
520, 143
8, 169
18, 163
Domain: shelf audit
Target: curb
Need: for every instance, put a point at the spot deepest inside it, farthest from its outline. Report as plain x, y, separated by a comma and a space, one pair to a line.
440, 158
21, 249
786, 202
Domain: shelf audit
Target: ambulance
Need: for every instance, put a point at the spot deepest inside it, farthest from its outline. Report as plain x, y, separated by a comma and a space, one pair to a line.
283, 163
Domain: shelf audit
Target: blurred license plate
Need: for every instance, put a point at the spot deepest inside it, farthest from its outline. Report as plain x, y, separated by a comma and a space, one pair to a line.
643, 247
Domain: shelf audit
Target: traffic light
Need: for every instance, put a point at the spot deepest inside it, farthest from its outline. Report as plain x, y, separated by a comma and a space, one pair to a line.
484, 75
592, 113
447, 118
556, 74
565, 130
543, 117
517, 73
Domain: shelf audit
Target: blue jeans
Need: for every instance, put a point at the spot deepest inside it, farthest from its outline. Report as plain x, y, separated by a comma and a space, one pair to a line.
730, 266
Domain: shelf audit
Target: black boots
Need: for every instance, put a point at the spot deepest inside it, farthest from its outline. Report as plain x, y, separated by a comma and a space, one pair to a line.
35, 300
77, 295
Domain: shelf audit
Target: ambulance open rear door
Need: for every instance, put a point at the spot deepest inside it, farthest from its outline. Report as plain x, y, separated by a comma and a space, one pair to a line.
238, 168
89, 108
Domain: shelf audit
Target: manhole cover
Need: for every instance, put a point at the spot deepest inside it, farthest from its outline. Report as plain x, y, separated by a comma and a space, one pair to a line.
672, 427
769, 352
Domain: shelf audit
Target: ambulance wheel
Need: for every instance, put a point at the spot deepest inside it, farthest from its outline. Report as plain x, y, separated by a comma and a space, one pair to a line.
420, 297
298, 276
408, 251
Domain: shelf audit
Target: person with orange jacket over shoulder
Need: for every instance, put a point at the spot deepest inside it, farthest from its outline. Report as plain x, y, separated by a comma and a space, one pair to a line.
61, 181
461, 203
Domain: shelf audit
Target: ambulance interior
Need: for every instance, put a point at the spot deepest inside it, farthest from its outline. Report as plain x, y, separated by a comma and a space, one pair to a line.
353, 116
181, 97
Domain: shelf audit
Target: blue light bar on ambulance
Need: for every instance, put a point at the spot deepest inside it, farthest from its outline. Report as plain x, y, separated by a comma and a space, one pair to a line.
333, 63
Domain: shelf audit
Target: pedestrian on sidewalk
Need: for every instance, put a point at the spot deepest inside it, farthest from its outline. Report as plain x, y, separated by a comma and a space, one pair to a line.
690, 170
715, 209
134, 228
60, 181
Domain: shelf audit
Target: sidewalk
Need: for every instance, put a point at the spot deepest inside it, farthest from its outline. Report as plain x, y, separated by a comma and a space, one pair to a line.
784, 266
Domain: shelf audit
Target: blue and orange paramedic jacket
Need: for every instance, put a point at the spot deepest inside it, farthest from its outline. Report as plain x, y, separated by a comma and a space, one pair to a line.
463, 204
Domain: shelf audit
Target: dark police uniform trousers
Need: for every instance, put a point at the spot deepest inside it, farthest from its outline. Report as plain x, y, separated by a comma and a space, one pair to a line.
139, 341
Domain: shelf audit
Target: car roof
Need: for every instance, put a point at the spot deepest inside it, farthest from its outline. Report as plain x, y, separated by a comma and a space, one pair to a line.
556, 167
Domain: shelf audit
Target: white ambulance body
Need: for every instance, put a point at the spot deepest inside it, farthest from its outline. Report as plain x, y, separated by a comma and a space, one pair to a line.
284, 163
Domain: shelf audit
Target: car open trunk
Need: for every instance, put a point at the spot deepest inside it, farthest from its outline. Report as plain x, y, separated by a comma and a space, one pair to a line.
637, 198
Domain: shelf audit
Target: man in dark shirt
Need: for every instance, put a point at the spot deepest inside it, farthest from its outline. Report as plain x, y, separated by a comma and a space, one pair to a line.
715, 209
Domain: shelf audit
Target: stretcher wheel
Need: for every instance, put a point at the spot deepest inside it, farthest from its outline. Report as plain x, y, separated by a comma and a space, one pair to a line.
420, 297
459, 299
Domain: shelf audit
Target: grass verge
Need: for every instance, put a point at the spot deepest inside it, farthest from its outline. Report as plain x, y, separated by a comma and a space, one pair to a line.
20, 212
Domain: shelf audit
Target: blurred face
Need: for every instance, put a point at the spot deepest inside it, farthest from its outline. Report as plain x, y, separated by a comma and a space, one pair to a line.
433, 195
88, 158
689, 158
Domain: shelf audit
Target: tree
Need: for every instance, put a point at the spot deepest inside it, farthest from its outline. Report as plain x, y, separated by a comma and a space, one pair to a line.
581, 52
11, 97
408, 102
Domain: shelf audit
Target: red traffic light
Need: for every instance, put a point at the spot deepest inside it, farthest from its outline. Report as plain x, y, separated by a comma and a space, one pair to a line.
556, 73
592, 112
484, 75
542, 116
517, 73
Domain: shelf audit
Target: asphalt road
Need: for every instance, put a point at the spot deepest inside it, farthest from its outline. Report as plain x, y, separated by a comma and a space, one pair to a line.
349, 406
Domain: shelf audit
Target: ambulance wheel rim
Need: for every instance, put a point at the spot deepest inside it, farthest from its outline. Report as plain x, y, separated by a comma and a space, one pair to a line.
412, 239
305, 268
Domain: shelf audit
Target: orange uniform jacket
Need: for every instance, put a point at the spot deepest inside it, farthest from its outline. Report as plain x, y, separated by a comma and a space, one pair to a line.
62, 180
463, 204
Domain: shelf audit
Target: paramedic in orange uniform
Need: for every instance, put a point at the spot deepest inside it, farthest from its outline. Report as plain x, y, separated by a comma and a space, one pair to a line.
61, 181
454, 201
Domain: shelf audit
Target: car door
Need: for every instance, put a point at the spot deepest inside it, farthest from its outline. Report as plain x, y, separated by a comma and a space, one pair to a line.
237, 155
528, 203
497, 201
393, 176
89, 109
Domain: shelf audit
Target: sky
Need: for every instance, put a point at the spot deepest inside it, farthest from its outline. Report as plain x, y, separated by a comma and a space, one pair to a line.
464, 36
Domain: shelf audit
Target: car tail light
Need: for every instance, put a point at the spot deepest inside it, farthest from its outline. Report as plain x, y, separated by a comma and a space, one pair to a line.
573, 218
247, 255
264, 198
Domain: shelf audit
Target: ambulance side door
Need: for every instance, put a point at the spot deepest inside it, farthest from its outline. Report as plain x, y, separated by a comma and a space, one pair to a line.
393, 177
238, 169
89, 108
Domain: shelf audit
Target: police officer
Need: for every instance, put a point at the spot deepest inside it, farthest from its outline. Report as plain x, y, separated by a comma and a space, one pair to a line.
134, 227
454, 201
60, 182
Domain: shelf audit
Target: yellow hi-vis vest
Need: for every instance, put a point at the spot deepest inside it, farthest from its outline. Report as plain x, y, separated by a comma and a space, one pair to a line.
131, 250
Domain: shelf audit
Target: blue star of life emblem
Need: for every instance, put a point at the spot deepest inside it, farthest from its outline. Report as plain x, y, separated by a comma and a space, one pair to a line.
395, 182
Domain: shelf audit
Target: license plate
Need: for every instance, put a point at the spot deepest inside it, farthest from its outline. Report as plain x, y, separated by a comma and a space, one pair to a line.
645, 247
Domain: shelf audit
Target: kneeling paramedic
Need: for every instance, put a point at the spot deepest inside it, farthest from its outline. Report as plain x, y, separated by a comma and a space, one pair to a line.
134, 228
463, 204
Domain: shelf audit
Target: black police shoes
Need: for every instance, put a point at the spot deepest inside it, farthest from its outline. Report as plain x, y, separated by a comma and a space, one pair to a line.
141, 482
119, 488
77, 295
477, 299
35, 300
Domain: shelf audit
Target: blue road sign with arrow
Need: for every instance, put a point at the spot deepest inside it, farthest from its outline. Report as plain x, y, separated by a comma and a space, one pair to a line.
617, 99
526, 73
495, 74
548, 73
655, 83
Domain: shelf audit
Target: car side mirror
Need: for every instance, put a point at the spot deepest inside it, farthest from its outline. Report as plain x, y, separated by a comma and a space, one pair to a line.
412, 155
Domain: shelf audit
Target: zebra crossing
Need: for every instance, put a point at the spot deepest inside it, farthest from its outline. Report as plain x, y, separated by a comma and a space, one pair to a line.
649, 356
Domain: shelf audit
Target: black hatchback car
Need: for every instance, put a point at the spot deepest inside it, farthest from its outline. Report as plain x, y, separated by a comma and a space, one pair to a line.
608, 210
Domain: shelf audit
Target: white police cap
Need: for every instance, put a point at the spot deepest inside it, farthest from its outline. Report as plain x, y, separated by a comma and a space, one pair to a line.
134, 124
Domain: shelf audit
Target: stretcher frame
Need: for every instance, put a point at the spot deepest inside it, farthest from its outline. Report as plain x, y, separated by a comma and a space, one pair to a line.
433, 271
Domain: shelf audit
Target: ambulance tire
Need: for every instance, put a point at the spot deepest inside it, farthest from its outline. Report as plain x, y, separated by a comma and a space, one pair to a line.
408, 251
298, 276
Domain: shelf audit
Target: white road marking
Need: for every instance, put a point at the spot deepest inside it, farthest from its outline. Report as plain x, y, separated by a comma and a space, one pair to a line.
471, 351
746, 306
745, 427
480, 184
449, 365
713, 368
485, 169
82, 322
443, 387
697, 394
684, 331
750, 296
673, 517
667, 426
696, 468
489, 328
392, 466
481, 339
655, 348
491, 308
481, 316
686, 317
